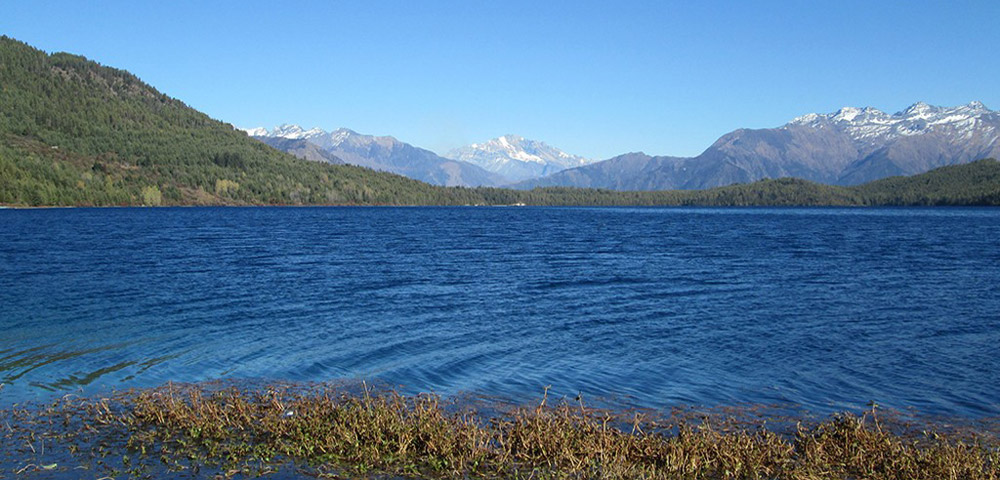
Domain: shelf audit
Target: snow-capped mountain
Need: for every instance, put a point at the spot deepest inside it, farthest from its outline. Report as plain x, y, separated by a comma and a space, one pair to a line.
326, 140
846, 147
291, 131
256, 132
285, 131
915, 140
517, 158
874, 126
382, 153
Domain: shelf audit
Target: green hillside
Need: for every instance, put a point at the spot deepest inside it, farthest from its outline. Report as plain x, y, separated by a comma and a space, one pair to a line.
976, 183
73, 132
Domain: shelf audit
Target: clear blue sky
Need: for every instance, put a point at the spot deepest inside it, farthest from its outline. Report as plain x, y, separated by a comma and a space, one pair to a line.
593, 78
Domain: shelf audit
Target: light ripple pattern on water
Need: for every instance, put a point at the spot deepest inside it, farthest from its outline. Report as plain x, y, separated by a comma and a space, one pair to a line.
826, 308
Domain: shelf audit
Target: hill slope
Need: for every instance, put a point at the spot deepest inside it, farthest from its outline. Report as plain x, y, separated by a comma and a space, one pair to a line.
73, 132
975, 183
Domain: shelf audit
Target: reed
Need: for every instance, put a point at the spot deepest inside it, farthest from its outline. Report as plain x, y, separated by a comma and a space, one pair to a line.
331, 432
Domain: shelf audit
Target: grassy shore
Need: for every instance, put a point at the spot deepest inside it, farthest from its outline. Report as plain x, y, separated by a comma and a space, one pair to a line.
199, 430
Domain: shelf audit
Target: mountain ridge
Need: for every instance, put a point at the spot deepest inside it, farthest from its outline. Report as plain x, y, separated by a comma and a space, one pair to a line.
847, 147
517, 158
384, 153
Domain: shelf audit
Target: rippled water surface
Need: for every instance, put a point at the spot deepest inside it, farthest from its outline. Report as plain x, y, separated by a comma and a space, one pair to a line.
826, 308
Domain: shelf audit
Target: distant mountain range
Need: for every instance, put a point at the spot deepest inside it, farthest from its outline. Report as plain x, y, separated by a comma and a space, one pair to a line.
501, 161
517, 158
847, 147
379, 153
303, 149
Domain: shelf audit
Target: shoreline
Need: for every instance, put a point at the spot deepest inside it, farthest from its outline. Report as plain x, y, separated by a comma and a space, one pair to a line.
734, 207
360, 430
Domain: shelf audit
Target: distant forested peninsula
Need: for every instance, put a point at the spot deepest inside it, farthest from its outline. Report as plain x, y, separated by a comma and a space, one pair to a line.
76, 133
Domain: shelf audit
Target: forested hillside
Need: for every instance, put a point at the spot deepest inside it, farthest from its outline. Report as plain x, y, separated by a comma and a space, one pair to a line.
73, 132
976, 183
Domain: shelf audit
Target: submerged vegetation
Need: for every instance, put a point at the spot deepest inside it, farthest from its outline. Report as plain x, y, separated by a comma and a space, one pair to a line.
74, 132
331, 432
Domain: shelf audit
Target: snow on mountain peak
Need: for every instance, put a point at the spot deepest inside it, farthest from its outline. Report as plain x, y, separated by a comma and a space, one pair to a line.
288, 130
806, 119
339, 135
869, 124
976, 105
255, 132
516, 157
847, 114
974, 108
324, 139
920, 110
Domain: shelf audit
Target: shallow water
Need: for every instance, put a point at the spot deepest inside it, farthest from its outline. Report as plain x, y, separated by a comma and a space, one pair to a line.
649, 307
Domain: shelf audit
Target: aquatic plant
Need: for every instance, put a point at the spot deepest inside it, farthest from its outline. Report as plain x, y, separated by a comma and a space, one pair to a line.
331, 431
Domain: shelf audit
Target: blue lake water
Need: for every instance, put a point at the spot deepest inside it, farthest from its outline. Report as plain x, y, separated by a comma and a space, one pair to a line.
653, 307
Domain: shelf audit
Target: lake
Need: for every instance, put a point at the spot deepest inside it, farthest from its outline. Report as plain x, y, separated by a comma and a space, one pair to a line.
826, 309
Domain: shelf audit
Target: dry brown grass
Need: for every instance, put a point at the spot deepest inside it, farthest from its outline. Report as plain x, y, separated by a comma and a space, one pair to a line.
420, 436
